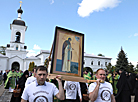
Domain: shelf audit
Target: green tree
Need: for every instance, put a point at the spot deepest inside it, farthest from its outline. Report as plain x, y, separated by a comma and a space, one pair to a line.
136, 69
29, 69
122, 61
101, 55
130, 68
110, 68
2, 50
31, 66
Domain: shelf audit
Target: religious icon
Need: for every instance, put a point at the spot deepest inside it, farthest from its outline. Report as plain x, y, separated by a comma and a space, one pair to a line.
67, 57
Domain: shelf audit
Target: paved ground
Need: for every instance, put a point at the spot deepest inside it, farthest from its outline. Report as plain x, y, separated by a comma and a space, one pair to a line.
5, 96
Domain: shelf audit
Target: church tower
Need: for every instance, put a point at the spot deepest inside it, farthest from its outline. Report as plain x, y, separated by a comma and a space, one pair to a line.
18, 29
16, 50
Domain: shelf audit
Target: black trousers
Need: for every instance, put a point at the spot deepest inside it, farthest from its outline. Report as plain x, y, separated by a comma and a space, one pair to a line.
71, 100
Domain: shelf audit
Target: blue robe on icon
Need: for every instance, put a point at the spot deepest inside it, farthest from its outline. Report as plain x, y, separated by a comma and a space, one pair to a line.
66, 56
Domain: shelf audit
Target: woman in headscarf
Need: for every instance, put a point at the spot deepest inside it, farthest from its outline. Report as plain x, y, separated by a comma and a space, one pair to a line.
132, 81
21, 84
136, 90
124, 89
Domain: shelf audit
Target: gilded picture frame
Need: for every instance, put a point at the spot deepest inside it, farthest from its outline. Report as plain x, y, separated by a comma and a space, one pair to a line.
67, 53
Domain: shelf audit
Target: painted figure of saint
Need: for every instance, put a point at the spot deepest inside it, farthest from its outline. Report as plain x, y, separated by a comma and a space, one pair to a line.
66, 56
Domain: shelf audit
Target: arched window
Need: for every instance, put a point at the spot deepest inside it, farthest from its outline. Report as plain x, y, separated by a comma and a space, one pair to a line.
16, 66
91, 62
99, 63
18, 34
105, 63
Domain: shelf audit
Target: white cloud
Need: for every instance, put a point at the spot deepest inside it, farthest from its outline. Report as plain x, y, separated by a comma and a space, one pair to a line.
136, 34
52, 1
113, 62
31, 54
30, 51
36, 47
89, 6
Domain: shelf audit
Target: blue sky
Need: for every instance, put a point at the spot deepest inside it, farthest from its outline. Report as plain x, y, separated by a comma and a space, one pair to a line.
107, 24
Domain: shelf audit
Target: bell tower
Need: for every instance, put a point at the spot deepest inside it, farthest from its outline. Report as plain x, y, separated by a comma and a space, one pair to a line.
18, 29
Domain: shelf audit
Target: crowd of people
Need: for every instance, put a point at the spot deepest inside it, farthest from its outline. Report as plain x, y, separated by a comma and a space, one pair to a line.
36, 87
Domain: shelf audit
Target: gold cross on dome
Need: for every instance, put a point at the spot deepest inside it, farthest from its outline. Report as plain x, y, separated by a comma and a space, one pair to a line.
21, 3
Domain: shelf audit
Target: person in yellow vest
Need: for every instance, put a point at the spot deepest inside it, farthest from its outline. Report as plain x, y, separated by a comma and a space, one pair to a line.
109, 77
20, 73
116, 78
87, 75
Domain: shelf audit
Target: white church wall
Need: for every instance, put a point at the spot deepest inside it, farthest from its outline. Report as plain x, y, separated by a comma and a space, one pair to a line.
27, 62
43, 56
3, 64
12, 53
15, 59
95, 66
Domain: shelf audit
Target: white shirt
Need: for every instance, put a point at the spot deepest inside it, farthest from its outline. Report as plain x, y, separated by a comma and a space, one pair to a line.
40, 93
104, 93
71, 89
30, 80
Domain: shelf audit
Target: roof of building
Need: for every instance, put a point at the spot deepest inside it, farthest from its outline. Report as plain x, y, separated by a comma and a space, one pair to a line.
85, 55
32, 57
43, 51
95, 56
18, 22
20, 10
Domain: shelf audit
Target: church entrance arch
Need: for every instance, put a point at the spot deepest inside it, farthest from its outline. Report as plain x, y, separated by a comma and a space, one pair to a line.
16, 66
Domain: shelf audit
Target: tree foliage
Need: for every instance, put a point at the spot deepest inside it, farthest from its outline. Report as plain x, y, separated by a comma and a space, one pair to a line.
31, 66
2, 50
122, 61
101, 55
136, 69
110, 68
46, 63
131, 68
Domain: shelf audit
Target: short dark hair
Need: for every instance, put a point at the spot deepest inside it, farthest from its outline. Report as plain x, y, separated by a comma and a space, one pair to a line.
33, 69
87, 71
41, 68
121, 69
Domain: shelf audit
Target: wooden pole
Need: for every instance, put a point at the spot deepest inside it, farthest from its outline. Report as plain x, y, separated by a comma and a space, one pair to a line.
49, 58
72, 78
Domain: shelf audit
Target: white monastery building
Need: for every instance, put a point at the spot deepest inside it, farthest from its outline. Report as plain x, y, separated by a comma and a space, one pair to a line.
16, 51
